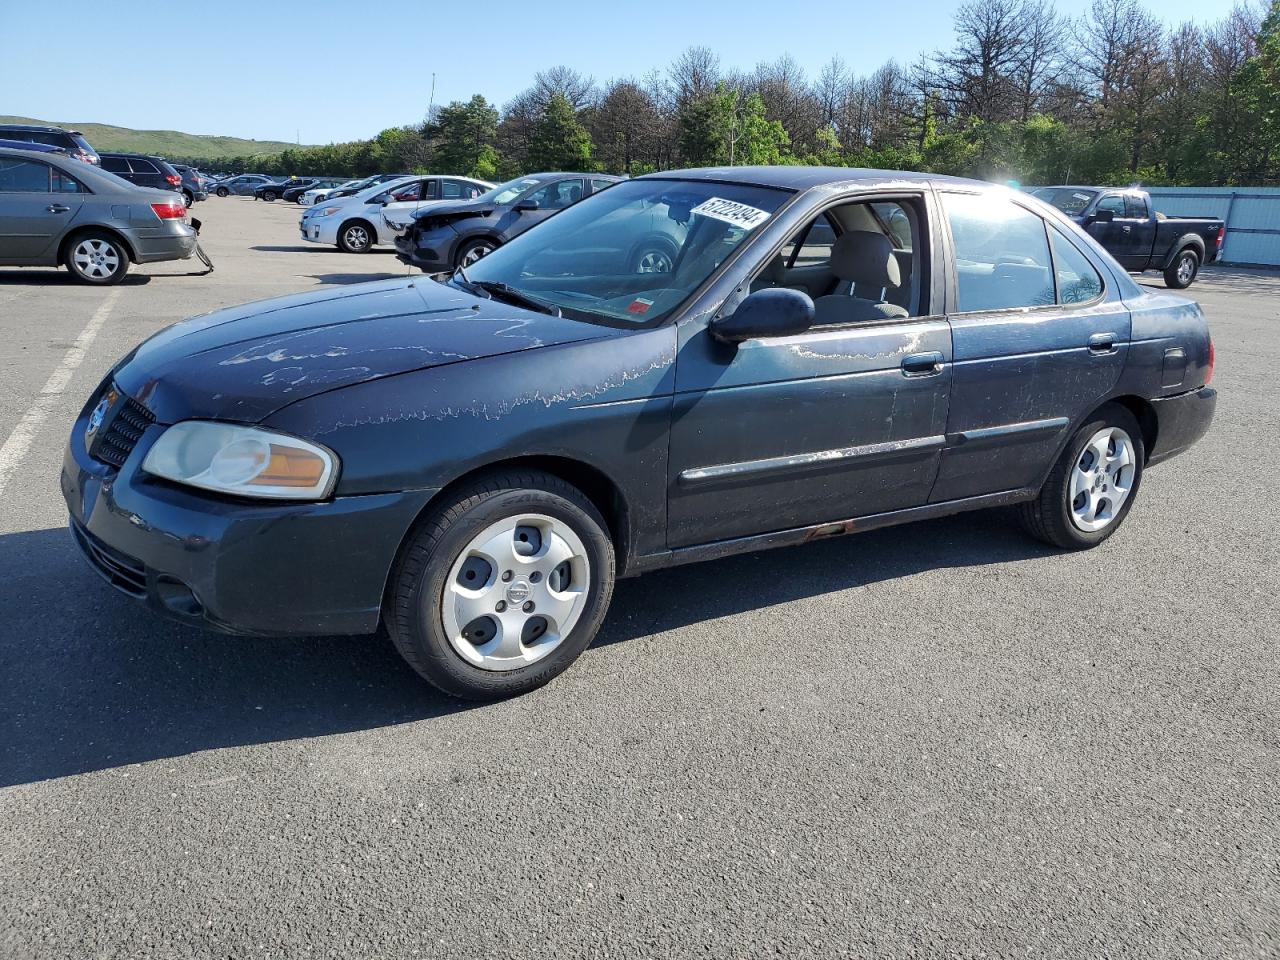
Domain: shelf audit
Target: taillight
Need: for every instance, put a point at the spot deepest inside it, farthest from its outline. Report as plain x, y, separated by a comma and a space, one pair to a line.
174, 180
170, 210
1209, 373
1222, 235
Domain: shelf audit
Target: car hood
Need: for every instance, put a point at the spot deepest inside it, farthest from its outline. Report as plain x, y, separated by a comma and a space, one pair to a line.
244, 363
457, 209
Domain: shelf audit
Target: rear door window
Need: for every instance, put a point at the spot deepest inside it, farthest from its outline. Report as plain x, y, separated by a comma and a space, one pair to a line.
23, 176
65, 183
141, 165
115, 164
1001, 254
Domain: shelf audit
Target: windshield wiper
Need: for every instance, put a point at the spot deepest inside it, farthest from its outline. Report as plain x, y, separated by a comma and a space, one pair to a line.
511, 294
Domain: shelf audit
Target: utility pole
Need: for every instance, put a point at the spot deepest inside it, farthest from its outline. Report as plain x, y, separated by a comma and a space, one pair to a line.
431, 104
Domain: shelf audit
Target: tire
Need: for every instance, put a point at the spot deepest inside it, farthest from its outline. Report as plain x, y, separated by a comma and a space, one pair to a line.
474, 250
652, 258
188, 197
1063, 512
1183, 269
222, 191
426, 599
96, 258
269, 196
350, 234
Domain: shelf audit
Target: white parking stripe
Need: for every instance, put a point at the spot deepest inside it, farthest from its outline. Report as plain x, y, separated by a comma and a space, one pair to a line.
19, 443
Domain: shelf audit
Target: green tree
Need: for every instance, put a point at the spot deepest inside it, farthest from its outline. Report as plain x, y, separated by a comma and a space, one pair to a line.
559, 140
464, 136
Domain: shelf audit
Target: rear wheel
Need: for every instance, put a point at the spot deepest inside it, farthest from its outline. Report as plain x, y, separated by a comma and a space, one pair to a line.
502, 588
1182, 271
356, 236
269, 195
97, 258
188, 197
1093, 484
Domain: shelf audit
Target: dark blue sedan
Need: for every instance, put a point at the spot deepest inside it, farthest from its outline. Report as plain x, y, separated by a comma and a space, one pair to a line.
471, 463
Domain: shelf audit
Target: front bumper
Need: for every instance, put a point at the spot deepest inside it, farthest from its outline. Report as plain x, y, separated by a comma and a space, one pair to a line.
263, 568
423, 254
1181, 421
318, 230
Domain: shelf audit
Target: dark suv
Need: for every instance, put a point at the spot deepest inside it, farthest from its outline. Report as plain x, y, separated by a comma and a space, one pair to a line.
71, 141
193, 187
143, 170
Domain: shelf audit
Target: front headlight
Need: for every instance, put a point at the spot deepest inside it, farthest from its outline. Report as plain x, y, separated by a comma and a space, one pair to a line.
242, 461
328, 211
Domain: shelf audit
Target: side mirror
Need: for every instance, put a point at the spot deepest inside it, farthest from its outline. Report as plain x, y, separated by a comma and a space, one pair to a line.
524, 205
774, 312
1102, 216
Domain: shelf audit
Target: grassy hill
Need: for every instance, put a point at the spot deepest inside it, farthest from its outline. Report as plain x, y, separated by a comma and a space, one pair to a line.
166, 143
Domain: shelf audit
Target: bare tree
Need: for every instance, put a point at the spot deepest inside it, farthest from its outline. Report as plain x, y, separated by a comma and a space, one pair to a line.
978, 76
1040, 62
626, 126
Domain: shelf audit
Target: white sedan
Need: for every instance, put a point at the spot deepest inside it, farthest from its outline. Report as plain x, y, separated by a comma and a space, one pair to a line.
405, 201
311, 197
354, 224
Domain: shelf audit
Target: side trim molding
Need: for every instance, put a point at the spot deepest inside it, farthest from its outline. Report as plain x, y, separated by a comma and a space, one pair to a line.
799, 461
1052, 425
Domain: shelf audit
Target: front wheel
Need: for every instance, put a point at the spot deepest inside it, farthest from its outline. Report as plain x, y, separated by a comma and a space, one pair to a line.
269, 196
222, 191
1092, 486
1182, 272
503, 587
97, 258
473, 251
355, 237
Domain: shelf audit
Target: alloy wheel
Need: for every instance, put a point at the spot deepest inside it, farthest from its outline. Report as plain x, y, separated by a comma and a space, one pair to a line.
357, 237
654, 261
515, 592
96, 259
477, 252
1186, 268
1101, 479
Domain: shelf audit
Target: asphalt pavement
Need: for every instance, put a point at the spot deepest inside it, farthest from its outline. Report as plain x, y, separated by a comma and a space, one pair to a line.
938, 740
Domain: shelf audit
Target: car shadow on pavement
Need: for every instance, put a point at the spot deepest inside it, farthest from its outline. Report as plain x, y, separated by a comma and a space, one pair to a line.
311, 248
56, 277
345, 278
91, 680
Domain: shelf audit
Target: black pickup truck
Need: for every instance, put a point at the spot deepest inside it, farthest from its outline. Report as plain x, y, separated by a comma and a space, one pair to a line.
1124, 221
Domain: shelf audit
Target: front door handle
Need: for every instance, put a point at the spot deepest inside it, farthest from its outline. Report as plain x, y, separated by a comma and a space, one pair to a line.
1102, 343
922, 364
57, 208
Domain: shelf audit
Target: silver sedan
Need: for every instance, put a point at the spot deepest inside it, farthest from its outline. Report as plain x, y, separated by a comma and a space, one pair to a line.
56, 211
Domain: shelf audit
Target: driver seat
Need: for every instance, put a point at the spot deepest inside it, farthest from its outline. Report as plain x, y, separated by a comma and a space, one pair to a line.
865, 262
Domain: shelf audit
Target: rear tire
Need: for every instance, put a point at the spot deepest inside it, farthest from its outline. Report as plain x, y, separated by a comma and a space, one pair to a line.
1089, 493
188, 197
1184, 269
96, 258
356, 236
511, 642
269, 196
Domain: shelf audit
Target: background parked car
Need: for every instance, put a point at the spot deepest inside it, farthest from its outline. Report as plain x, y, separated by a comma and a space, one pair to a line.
404, 202
272, 191
296, 192
352, 223
242, 185
449, 235
58, 211
352, 187
143, 170
72, 141
193, 187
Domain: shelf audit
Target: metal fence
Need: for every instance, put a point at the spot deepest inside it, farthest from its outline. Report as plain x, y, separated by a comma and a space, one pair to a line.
1252, 215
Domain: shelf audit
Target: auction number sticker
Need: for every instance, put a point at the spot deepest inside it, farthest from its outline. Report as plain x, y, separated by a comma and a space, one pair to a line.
739, 214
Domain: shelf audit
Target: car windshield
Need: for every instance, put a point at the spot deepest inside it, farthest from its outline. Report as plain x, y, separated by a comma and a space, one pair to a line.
627, 256
1069, 200
506, 192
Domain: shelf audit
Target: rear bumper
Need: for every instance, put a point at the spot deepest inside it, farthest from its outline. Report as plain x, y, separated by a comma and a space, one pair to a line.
175, 240
1181, 421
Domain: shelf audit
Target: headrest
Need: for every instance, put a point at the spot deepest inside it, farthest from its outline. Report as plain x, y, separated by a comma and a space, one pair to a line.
863, 257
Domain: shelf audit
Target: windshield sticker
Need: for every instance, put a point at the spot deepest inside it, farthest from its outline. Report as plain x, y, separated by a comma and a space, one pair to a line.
639, 305
739, 214
1082, 196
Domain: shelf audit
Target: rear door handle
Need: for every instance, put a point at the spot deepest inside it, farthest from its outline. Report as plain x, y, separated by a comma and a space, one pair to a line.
1102, 343
57, 208
922, 364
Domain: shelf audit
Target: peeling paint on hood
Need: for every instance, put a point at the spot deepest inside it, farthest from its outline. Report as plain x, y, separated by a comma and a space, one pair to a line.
246, 362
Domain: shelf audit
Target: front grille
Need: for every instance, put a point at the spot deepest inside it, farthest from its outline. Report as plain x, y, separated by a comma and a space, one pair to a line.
120, 570
122, 434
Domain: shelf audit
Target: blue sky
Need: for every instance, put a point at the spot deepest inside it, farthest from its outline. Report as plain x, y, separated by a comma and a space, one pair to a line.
335, 74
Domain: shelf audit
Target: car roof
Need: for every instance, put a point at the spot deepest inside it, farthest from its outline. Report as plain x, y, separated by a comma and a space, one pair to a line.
805, 178
28, 145
125, 153
37, 128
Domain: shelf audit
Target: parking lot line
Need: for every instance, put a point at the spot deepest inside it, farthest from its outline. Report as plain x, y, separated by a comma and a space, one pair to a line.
15, 448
